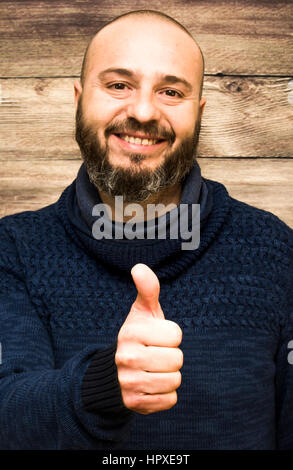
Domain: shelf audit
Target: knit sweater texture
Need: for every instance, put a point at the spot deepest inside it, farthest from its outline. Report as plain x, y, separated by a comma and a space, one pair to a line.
62, 305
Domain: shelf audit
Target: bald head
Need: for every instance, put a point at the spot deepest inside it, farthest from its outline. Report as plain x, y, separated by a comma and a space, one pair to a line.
131, 19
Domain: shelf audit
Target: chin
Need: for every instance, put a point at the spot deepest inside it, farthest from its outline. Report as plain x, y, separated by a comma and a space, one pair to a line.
133, 164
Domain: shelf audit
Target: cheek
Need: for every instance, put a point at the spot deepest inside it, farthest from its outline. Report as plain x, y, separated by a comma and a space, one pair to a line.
183, 129
98, 108
183, 122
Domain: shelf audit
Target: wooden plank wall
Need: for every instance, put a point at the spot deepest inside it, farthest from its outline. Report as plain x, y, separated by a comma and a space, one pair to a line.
247, 130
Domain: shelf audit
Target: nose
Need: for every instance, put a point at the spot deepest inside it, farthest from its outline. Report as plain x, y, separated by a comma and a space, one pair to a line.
143, 107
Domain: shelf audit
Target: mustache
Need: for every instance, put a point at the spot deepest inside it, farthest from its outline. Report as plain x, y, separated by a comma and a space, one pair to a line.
150, 128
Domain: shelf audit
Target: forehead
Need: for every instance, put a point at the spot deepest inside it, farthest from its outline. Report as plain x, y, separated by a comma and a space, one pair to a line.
149, 46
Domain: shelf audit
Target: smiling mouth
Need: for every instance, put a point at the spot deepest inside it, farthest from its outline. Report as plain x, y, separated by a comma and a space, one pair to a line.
142, 140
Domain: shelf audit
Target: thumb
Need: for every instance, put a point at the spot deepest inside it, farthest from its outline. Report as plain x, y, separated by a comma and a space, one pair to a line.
148, 289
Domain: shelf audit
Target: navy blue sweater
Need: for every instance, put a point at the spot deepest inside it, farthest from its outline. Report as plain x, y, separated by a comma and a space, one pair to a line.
62, 305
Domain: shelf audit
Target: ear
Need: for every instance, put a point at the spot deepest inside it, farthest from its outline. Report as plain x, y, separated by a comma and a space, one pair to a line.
202, 105
77, 92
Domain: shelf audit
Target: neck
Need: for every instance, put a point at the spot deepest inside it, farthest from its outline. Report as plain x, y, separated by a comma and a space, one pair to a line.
165, 200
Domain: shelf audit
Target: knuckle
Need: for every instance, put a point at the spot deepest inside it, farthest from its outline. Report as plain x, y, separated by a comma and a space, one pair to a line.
118, 358
125, 358
129, 380
134, 401
127, 400
127, 332
124, 381
138, 401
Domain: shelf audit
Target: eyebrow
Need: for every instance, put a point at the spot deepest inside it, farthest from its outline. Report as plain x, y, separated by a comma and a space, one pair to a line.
170, 79
119, 71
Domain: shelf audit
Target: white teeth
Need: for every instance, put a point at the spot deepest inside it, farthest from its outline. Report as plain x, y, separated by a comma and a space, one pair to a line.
137, 140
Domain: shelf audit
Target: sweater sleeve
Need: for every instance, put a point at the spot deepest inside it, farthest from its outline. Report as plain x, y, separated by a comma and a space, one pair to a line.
100, 389
41, 406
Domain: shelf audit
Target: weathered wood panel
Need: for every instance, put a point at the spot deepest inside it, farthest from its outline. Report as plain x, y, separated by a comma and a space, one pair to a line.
37, 119
243, 116
48, 38
268, 184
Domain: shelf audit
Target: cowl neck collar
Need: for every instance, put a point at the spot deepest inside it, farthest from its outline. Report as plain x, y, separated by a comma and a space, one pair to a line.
164, 256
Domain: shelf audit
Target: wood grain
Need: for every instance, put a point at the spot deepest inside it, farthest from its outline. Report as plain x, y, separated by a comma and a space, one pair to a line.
267, 184
48, 38
244, 116
37, 119
263, 183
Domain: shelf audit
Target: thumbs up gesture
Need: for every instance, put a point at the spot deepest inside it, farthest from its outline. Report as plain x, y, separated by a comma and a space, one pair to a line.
147, 356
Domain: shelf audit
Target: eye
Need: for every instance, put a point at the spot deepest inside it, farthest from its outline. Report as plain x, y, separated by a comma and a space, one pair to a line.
119, 90
118, 86
173, 93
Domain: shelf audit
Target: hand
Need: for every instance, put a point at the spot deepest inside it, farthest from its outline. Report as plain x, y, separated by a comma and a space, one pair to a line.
147, 356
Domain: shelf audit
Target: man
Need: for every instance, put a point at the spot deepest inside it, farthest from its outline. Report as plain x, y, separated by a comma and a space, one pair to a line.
91, 357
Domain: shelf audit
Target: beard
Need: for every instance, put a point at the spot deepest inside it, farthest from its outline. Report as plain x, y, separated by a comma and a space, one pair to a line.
135, 184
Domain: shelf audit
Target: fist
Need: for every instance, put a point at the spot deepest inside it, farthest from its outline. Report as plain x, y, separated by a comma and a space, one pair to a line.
148, 359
